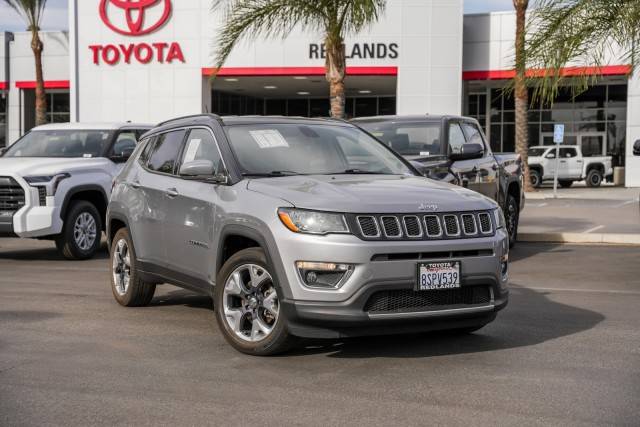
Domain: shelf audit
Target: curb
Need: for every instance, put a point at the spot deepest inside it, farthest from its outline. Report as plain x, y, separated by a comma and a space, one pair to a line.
601, 238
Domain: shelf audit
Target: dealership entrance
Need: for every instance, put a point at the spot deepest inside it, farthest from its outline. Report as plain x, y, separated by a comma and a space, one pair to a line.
305, 95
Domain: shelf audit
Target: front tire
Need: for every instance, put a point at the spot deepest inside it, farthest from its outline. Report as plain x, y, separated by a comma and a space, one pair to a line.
594, 178
127, 286
512, 217
536, 178
82, 232
247, 306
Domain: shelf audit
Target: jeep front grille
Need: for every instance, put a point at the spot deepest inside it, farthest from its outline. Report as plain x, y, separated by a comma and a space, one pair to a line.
409, 301
12, 196
440, 226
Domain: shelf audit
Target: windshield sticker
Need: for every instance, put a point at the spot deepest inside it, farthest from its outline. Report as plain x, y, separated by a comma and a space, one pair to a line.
424, 153
192, 149
87, 156
268, 138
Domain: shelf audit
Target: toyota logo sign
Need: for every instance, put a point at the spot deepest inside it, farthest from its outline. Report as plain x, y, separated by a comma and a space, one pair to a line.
134, 15
136, 18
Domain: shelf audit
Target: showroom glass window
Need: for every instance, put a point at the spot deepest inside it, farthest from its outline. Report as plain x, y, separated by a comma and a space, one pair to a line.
58, 107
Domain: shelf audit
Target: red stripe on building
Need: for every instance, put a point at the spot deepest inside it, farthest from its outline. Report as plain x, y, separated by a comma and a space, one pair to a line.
3, 85
48, 84
607, 70
296, 71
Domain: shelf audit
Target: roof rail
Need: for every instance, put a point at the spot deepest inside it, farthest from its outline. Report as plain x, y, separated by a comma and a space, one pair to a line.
213, 116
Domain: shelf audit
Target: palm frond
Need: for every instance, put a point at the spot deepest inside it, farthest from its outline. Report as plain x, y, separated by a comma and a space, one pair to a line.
31, 11
578, 33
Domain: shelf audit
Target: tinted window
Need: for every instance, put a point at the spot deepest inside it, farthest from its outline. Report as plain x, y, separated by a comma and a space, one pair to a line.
568, 152
61, 143
125, 141
408, 138
456, 138
311, 149
202, 146
473, 133
166, 151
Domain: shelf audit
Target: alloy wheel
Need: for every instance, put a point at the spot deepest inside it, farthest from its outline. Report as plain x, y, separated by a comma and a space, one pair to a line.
121, 267
85, 231
250, 303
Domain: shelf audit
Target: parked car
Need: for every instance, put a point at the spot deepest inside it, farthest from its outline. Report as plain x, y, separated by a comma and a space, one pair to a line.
572, 166
55, 182
454, 149
302, 228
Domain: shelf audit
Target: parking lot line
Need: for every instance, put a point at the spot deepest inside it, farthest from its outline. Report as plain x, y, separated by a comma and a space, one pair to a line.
598, 227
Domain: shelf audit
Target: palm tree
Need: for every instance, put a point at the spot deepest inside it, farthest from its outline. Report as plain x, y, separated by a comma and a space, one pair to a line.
333, 19
520, 91
579, 32
31, 12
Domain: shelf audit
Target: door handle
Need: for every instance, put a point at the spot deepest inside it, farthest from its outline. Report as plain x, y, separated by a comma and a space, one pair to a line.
135, 184
171, 193
563, 161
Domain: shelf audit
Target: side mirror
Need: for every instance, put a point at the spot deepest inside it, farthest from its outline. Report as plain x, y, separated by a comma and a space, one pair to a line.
197, 168
636, 148
3, 150
122, 156
468, 151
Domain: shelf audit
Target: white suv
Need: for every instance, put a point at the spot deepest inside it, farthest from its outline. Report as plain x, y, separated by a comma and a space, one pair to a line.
55, 182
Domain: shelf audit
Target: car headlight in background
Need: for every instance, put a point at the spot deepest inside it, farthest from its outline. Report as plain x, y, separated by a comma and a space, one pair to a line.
499, 217
327, 275
51, 182
303, 221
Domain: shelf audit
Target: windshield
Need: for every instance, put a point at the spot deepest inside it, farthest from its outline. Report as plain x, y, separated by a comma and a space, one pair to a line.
61, 143
283, 149
536, 152
408, 139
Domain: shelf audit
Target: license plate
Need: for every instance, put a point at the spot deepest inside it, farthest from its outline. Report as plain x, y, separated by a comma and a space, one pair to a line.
438, 275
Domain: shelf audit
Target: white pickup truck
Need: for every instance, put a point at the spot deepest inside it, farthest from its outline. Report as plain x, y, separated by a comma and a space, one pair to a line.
572, 166
55, 182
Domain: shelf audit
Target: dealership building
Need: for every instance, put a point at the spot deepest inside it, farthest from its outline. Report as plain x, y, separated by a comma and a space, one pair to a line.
148, 61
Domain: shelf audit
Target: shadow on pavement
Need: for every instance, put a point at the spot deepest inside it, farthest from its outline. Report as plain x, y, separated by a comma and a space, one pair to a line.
42, 254
531, 318
524, 250
182, 297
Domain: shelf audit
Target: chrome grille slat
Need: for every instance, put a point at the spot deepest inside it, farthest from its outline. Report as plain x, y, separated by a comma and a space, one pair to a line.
391, 226
469, 224
484, 219
451, 225
432, 226
412, 226
12, 195
368, 226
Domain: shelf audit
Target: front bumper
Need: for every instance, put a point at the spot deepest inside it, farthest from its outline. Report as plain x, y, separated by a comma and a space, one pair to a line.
338, 313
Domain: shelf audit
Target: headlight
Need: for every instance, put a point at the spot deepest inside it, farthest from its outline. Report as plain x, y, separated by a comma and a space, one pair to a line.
51, 182
499, 217
302, 221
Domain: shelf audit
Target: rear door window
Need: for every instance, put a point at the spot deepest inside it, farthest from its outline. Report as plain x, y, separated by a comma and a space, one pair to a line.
166, 151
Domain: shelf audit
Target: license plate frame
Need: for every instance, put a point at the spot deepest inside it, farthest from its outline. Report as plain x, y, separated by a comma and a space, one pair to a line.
454, 266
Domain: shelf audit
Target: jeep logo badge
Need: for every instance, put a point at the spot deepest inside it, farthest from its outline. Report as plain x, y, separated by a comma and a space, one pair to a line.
429, 207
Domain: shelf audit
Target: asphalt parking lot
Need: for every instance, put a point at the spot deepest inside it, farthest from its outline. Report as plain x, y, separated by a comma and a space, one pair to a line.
566, 351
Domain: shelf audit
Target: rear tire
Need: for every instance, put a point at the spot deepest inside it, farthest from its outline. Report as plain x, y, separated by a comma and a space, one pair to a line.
565, 184
82, 232
128, 288
536, 178
512, 217
594, 178
243, 307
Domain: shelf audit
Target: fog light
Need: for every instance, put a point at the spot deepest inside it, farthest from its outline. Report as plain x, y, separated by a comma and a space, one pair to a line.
324, 274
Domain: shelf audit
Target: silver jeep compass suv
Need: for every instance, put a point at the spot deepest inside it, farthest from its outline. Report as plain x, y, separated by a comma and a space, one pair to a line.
302, 228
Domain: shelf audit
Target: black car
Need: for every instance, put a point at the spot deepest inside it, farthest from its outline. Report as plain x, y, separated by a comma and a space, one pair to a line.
454, 149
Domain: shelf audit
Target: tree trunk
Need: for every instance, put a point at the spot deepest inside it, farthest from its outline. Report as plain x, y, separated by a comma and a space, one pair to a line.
520, 92
335, 65
41, 99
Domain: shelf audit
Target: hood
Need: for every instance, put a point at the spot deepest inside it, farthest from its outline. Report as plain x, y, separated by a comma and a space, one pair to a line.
370, 193
34, 166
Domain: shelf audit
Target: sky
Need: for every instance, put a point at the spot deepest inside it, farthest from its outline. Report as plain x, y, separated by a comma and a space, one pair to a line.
55, 16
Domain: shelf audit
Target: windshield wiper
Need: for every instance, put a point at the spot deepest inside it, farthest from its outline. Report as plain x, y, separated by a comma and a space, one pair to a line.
359, 172
272, 173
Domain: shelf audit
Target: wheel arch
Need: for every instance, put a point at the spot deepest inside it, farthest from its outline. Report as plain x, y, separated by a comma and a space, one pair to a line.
92, 193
